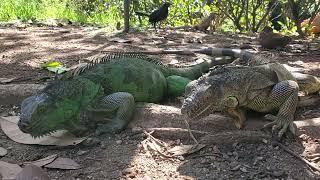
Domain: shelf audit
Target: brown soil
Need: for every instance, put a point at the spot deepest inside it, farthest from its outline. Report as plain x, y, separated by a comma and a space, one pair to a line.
122, 156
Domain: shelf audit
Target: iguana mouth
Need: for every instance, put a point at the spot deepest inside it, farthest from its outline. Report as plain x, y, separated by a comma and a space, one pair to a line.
27, 123
192, 111
203, 112
35, 130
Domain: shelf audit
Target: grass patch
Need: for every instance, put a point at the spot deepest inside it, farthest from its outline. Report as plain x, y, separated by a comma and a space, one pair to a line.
63, 9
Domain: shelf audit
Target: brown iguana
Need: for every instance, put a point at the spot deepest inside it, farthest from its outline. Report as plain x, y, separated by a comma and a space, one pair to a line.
264, 88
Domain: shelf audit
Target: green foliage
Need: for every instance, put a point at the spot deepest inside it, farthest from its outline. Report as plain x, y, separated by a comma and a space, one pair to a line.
231, 15
89, 11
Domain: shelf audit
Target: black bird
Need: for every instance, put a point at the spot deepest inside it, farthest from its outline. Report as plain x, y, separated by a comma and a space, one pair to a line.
157, 15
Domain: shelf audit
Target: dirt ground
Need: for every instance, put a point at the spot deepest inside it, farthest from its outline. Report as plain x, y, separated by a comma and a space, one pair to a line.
122, 156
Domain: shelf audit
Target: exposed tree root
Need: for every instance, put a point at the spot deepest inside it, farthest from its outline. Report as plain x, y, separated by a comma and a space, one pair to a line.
15, 93
228, 137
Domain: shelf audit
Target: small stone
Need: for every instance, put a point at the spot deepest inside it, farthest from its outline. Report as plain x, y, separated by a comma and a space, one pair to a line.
234, 145
146, 177
243, 169
203, 161
235, 154
236, 168
181, 158
278, 173
12, 113
233, 164
304, 137
91, 142
129, 172
257, 159
103, 146
205, 170
265, 141
259, 148
81, 152
3, 151
118, 142
225, 156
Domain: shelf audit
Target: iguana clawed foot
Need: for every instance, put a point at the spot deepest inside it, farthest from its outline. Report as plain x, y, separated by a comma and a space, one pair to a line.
280, 124
111, 127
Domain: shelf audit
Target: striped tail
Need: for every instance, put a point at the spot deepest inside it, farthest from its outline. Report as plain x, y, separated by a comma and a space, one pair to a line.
236, 53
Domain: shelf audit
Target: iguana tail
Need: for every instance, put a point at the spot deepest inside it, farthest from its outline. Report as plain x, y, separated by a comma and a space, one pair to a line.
195, 71
236, 53
142, 14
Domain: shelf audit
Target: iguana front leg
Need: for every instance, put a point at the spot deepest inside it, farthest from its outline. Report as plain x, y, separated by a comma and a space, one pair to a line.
122, 105
239, 116
285, 95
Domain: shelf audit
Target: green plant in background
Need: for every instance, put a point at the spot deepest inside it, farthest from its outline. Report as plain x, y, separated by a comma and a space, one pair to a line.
238, 15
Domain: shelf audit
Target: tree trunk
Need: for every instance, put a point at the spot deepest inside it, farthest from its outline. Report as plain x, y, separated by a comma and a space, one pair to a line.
126, 5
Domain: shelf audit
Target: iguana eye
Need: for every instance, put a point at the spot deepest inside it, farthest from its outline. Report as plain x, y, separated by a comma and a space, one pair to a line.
41, 109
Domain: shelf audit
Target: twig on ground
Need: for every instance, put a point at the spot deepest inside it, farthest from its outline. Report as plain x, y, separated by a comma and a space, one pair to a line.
205, 155
311, 165
156, 143
154, 139
190, 132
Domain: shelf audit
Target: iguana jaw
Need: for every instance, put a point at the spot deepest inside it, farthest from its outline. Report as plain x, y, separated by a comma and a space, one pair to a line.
28, 107
193, 112
199, 102
33, 119
27, 123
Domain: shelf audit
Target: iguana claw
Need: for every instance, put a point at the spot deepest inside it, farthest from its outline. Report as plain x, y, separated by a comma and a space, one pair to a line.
280, 124
111, 127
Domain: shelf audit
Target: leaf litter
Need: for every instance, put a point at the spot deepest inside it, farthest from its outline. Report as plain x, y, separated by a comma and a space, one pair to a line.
32, 171
60, 138
8, 170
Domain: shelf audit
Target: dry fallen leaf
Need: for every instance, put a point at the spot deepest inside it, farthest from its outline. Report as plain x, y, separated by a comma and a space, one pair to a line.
63, 163
8, 170
43, 161
185, 149
32, 172
60, 138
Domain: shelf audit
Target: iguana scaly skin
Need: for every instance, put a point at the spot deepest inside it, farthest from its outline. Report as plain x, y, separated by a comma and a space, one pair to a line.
102, 95
263, 88
307, 83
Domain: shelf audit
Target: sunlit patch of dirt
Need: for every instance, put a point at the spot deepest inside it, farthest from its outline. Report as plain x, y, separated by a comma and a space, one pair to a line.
122, 156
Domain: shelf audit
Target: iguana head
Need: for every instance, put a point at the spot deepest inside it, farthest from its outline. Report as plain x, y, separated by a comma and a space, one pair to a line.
57, 107
203, 96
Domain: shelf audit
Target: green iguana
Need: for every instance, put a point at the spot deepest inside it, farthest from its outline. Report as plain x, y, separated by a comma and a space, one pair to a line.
108, 88
263, 88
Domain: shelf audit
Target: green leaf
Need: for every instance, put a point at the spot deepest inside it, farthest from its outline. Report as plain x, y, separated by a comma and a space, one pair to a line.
51, 64
58, 69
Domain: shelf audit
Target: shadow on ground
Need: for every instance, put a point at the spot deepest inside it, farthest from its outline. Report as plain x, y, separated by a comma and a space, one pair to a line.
122, 155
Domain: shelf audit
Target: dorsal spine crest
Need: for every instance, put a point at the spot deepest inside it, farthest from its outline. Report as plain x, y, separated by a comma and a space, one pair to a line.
108, 58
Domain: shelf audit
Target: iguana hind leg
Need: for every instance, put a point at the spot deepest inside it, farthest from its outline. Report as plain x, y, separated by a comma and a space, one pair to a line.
123, 105
284, 95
